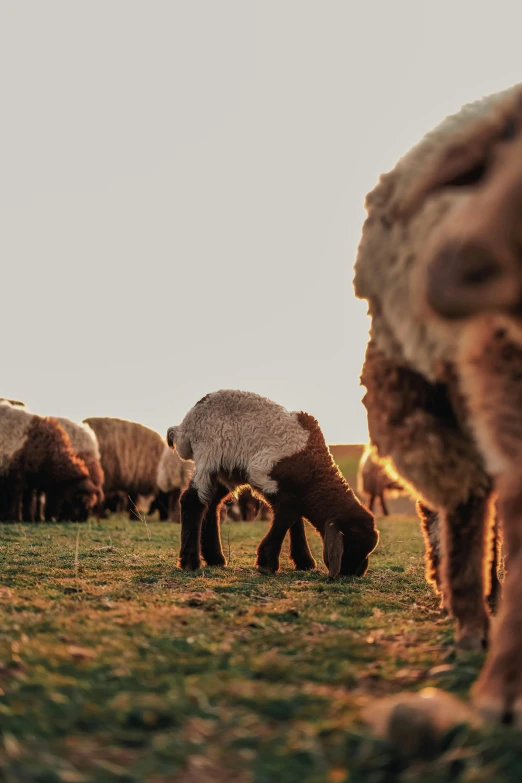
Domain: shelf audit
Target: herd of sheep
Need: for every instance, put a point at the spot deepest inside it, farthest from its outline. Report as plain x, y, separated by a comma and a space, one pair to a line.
440, 266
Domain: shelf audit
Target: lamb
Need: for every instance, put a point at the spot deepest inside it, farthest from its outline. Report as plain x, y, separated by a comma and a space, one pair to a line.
237, 438
136, 461
439, 264
36, 456
373, 480
85, 445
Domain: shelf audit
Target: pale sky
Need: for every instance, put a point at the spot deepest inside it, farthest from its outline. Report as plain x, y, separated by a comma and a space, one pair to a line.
182, 185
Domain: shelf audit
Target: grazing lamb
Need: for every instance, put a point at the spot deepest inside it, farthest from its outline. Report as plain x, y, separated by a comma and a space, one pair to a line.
36, 456
85, 446
135, 461
237, 438
374, 481
439, 264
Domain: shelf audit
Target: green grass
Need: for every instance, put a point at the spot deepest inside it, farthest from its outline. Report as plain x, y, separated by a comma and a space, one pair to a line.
115, 666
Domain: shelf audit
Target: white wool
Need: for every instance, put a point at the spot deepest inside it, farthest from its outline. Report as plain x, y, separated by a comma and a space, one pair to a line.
173, 472
14, 424
82, 437
233, 430
388, 257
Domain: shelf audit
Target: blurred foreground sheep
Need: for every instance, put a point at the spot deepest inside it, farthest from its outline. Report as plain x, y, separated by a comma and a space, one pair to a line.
439, 264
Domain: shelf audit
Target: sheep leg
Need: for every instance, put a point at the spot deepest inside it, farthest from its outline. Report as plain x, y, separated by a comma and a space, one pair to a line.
299, 549
371, 503
463, 569
383, 505
211, 548
174, 507
15, 504
498, 692
430, 525
496, 585
29, 505
192, 513
268, 551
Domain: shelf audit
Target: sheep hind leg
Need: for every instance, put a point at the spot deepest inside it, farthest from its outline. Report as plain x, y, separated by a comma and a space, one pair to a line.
211, 547
192, 513
383, 505
268, 551
299, 549
463, 570
498, 691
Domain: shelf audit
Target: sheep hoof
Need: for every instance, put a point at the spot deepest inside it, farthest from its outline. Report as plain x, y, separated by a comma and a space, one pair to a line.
499, 704
471, 639
216, 562
267, 570
189, 563
306, 565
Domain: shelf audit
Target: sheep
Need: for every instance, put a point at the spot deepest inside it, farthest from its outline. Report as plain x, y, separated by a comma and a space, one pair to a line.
36, 455
85, 446
438, 263
373, 480
136, 461
238, 438
251, 507
173, 476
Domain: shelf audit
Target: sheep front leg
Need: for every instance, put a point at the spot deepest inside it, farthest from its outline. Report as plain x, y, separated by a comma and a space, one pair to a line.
211, 547
299, 549
192, 512
285, 515
430, 524
463, 569
383, 505
498, 691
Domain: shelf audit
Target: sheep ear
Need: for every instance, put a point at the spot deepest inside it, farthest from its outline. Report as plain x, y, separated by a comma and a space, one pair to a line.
333, 549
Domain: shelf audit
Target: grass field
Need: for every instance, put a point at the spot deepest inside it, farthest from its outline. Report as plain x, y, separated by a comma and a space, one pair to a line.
115, 666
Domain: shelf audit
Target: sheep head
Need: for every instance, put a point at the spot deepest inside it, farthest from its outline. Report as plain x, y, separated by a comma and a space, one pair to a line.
347, 545
473, 260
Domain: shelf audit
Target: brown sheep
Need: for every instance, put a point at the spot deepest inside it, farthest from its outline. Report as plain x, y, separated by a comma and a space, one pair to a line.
373, 480
136, 461
36, 456
439, 264
238, 438
85, 446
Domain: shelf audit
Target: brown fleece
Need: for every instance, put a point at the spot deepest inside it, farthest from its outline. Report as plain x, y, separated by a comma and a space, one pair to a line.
130, 454
45, 463
322, 495
415, 424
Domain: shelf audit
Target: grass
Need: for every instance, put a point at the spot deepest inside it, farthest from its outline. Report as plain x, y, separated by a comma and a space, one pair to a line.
115, 666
